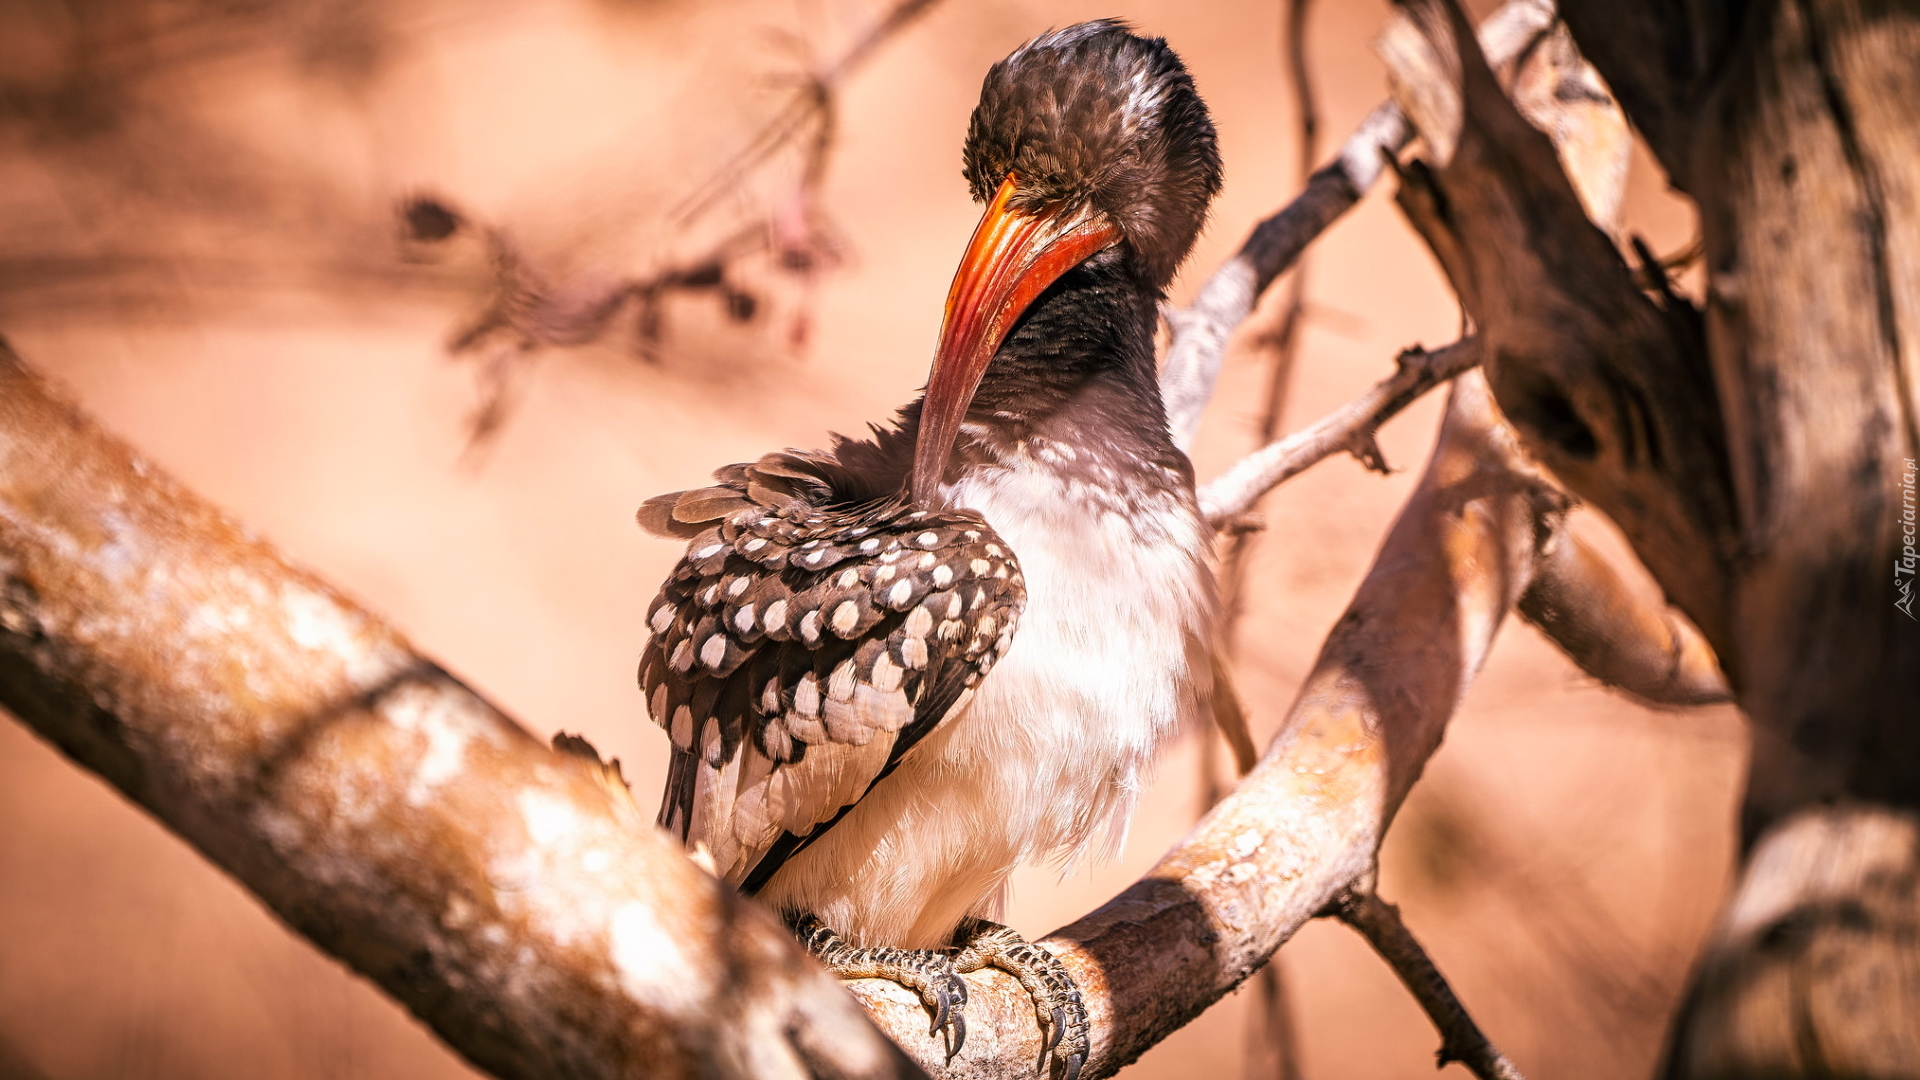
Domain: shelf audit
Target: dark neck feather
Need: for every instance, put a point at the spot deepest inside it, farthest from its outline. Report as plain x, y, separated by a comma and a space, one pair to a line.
1085, 344
1078, 369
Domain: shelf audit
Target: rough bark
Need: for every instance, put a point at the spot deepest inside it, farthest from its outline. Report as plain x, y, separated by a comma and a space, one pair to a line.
1756, 454
512, 897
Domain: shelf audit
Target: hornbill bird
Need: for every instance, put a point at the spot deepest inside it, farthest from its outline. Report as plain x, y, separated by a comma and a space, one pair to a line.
895, 669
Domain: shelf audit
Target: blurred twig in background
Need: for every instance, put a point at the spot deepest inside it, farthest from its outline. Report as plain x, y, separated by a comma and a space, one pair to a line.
1272, 1039
1280, 341
791, 233
107, 118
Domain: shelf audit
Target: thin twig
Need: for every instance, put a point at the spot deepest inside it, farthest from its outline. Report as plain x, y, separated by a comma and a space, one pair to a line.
1349, 428
1200, 331
1461, 1039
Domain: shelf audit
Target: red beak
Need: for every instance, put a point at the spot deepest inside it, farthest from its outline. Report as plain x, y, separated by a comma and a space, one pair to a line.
1012, 259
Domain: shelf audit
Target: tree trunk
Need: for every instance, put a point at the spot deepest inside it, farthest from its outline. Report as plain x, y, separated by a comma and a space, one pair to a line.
1759, 453
1797, 130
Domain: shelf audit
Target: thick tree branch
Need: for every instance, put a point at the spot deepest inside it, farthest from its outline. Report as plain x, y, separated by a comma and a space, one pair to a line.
509, 896
513, 899
1812, 970
1304, 825
1605, 384
1201, 330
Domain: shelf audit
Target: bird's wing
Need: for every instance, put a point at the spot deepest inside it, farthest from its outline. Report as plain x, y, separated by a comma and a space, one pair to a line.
802, 647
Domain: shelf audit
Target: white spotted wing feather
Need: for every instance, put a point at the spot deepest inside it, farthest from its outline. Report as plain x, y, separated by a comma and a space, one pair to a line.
801, 650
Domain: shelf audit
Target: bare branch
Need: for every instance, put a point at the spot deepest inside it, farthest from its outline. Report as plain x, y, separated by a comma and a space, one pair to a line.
1230, 567
1349, 429
1273, 1033
1461, 1039
1200, 332
496, 889
511, 897
1561, 95
1758, 455
1586, 357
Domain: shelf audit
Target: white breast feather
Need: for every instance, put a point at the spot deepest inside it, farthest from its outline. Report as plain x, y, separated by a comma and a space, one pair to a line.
1051, 754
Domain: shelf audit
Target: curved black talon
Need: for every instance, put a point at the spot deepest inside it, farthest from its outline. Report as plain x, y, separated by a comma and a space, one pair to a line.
928, 973
959, 1038
936, 977
950, 1012
1057, 1007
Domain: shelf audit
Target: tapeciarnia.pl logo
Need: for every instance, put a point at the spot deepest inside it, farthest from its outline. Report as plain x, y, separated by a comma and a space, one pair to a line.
1909, 560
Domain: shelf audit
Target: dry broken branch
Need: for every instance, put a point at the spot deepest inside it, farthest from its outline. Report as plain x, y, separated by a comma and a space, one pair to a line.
531, 309
1348, 429
1580, 601
1201, 330
810, 106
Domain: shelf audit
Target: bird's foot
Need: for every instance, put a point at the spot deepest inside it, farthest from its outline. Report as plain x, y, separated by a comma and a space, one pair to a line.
1056, 998
927, 972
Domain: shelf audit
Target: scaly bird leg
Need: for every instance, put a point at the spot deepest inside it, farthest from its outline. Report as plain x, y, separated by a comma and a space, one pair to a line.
1056, 998
928, 973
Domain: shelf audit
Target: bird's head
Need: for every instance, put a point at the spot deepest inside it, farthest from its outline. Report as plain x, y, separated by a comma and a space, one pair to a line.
1087, 142
1094, 124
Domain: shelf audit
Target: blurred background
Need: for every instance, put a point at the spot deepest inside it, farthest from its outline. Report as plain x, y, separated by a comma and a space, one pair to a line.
433, 293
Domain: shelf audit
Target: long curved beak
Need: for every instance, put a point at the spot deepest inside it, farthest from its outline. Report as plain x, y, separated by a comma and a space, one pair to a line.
1011, 260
